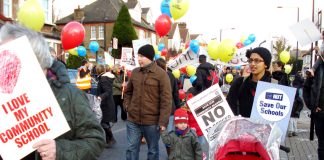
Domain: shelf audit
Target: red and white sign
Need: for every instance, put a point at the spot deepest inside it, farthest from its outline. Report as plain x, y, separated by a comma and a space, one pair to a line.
127, 58
29, 111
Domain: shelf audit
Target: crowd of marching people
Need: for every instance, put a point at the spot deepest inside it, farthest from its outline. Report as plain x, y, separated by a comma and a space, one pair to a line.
154, 102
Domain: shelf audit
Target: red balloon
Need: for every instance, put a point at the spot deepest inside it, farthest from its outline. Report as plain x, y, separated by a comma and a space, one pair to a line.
183, 70
163, 25
164, 52
72, 35
187, 45
129, 74
239, 45
182, 94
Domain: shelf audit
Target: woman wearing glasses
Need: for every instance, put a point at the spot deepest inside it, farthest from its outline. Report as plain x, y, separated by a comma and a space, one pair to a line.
241, 94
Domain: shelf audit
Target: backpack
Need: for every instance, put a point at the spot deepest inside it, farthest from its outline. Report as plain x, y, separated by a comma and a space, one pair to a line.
212, 78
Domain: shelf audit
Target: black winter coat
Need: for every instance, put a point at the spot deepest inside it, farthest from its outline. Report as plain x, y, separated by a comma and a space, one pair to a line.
202, 73
175, 92
241, 95
105, 92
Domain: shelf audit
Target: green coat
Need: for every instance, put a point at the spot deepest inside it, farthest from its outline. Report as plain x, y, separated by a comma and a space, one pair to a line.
117, 85
184, 147
86, 139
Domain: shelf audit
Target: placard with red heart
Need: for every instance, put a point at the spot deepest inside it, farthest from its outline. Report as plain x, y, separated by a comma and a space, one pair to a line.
10, 66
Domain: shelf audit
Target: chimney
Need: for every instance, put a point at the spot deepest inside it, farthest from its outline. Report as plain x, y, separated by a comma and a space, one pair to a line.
78, 14
182, 25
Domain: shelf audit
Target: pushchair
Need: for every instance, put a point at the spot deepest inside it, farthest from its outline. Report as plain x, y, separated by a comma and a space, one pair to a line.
244, 139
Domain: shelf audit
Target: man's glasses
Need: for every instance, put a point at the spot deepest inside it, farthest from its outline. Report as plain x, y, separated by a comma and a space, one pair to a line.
256, 60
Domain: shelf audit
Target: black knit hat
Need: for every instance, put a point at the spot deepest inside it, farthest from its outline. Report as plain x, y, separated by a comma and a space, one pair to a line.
262, 52
147, 51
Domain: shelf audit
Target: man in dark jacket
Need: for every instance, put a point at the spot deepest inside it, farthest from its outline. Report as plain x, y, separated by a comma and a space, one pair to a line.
202, 73
86, 138
148, 101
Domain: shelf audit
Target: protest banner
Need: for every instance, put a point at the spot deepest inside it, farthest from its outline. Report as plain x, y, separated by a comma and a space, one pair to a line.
273, 104
183, 59
28, 108
127, 58
210, 109
138, 44
306, 32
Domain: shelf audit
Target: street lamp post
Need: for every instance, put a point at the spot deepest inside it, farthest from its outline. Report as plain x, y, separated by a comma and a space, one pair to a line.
221, 31
297, 22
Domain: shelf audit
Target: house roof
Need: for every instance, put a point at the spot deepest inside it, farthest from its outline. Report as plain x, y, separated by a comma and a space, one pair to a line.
103, 11
172, 30
194, 36
98, 11
183, 34
145, 10
131, 4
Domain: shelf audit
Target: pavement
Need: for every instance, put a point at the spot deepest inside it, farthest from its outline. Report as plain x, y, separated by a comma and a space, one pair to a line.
301, 147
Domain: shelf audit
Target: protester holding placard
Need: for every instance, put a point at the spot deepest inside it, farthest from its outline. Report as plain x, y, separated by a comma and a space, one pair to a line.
117, 91
242, 91
85, 140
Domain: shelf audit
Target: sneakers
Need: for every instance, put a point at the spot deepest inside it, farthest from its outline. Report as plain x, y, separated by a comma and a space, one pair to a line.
290, 134
294, 134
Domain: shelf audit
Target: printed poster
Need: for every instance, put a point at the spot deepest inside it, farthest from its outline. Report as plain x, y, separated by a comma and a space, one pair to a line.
210, 109
28, 109
127, 58
273, 104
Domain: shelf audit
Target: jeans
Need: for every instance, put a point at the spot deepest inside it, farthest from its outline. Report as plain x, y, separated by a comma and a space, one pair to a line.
135, 132
171, 123
292, 126
319, 129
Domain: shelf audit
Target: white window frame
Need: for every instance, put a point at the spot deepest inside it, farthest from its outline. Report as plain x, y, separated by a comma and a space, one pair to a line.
101, 32
93, 33
8, 15
47, 11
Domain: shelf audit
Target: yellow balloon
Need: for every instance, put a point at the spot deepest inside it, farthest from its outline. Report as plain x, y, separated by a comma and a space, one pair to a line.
243, 38
156, 49
284, 56
229, 78
73, 51
176, 73
191, 70
31, 15
178, 8
212, 49
288, 68
226, 50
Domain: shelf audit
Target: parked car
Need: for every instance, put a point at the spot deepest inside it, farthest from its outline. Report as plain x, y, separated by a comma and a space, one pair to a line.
73, 74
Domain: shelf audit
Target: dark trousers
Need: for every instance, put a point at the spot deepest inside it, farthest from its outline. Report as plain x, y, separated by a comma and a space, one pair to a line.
319, 129
119, 101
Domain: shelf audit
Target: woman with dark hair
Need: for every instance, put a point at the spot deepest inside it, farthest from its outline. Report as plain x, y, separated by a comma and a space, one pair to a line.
105, 94
241, 94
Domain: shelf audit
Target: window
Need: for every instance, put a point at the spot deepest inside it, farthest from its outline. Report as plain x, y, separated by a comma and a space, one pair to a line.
101, 32
45, 6
7, 8
93, 32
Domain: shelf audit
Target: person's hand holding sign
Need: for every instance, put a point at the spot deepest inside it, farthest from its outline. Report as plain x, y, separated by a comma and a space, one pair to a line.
46, 148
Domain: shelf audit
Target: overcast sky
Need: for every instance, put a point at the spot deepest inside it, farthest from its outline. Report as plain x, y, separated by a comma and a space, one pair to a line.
260, 17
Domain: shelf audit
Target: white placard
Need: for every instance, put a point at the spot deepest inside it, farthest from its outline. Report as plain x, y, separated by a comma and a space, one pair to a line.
306, 32
127, 58
210, 109
138, 44
28, 108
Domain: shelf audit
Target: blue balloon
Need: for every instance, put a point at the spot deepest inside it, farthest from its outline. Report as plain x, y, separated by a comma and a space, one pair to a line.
82, 52
238, 67
93, 46
251, 38
247, 42
194, 46
161, 46
165, 8
157, 56
193, 79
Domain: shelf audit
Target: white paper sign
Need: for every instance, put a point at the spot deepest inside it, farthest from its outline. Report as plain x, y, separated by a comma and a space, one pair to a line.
210, 109
306, 32
127, 58
28, 108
